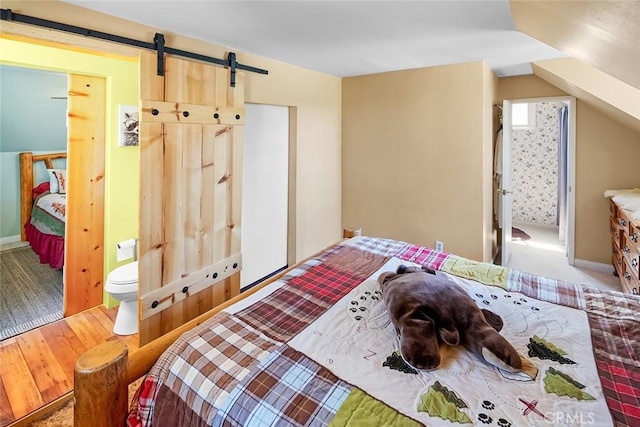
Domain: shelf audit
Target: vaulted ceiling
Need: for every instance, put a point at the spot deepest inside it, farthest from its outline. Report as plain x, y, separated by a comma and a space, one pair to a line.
603, 34
347, 38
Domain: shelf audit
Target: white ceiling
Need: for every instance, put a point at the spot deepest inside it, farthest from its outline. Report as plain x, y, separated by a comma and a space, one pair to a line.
348, 38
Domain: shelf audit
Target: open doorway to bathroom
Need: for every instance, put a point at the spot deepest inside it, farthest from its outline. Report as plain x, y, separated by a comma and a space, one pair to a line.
540, 137
539, 170
542, 162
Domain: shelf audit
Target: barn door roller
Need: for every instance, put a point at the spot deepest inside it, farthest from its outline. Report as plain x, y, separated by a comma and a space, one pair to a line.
158, 44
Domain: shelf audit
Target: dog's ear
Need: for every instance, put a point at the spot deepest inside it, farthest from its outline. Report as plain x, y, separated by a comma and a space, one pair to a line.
385, 277
401, 269
428, 270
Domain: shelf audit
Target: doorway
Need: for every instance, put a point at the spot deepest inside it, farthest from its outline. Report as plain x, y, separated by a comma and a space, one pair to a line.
265, 194
68, 113
538, 200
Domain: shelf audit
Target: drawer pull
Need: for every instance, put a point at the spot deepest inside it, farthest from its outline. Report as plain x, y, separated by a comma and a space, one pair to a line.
634, 262
620, 262
626, 249
623, 222
627, 275
635, 291
634, 237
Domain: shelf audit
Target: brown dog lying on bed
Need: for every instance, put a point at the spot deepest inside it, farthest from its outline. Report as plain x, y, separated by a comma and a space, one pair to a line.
426, 308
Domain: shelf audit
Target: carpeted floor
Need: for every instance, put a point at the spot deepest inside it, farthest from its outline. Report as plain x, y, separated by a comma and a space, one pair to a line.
30, 292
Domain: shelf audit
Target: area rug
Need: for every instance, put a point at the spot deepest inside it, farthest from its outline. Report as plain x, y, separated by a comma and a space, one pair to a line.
63, 417
517, 234
30, 292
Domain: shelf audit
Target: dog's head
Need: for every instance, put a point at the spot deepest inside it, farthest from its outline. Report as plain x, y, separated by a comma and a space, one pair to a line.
387, 276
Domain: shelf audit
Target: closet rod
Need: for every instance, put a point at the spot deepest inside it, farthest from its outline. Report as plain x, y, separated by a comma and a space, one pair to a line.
157, 45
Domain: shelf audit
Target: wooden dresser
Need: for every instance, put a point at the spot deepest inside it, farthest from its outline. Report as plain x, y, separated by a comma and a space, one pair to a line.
625, 244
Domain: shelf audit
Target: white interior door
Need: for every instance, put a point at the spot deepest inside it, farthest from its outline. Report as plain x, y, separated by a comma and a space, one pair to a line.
506, 190
265, 180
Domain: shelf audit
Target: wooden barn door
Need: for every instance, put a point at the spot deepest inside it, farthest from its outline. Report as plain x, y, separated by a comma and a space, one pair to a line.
190, 191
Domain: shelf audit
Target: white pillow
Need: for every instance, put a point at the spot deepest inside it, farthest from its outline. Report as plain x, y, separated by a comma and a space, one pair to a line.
57, 180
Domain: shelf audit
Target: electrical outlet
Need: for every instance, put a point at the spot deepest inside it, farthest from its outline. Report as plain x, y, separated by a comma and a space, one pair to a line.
439, 246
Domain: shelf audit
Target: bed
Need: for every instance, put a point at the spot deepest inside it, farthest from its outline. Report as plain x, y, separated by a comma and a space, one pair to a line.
43, 206
316, 346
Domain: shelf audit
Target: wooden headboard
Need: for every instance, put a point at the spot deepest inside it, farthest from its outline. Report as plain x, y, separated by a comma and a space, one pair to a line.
27, 161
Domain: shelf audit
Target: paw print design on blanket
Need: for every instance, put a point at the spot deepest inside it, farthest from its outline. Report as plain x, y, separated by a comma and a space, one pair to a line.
489, 413
368, 311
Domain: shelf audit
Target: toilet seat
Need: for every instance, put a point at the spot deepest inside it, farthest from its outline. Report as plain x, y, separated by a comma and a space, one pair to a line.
125, 274
123, 279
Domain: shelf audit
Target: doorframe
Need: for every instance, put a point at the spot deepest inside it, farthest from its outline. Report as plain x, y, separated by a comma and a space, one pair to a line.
571, 165
84, 231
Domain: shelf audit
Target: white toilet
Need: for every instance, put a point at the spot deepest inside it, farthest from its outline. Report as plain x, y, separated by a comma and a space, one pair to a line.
122, 284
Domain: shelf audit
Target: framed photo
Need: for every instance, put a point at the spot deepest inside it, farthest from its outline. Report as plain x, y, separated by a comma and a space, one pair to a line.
129, 125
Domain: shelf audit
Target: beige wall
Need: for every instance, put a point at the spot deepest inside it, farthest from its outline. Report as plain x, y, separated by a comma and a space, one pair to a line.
315, 121
415, 146
607, 157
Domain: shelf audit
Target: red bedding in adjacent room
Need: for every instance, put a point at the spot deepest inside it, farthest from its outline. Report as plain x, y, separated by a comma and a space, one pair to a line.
46, 227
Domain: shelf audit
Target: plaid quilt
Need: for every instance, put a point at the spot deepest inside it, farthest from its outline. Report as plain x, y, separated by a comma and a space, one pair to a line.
237, 369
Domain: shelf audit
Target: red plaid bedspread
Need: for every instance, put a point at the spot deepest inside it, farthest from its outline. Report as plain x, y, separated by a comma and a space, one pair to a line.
226, 369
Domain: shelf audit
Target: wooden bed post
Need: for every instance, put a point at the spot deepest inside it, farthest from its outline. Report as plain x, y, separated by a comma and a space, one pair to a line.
100, 386
26, 188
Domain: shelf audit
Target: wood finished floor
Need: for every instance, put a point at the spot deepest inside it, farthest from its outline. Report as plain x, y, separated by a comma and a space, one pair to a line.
37, 367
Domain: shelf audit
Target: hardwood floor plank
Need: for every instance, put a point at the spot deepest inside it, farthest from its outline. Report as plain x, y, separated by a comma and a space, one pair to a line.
84, 330
36, 368
6, 414
51, 379
22, 391
107, 322
111, 313
96, 318
65, 344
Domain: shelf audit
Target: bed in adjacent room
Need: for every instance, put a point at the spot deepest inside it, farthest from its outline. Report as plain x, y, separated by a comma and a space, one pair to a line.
43, 206
316, 346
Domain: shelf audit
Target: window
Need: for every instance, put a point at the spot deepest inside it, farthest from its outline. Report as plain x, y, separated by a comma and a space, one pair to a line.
523, 116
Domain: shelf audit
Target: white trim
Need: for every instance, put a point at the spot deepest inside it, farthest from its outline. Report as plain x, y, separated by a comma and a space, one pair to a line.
9, 239
594, 266
571, 176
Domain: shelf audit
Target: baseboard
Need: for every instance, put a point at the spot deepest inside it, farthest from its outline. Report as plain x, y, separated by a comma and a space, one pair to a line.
595, 266
9, 239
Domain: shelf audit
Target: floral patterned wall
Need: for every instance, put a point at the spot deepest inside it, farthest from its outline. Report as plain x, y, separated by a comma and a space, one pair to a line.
535, 168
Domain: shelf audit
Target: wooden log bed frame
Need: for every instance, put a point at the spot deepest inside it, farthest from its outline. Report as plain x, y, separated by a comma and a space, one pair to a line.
27, 161
102, 375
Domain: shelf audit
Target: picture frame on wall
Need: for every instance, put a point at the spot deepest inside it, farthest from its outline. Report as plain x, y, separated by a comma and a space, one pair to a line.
129, 125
